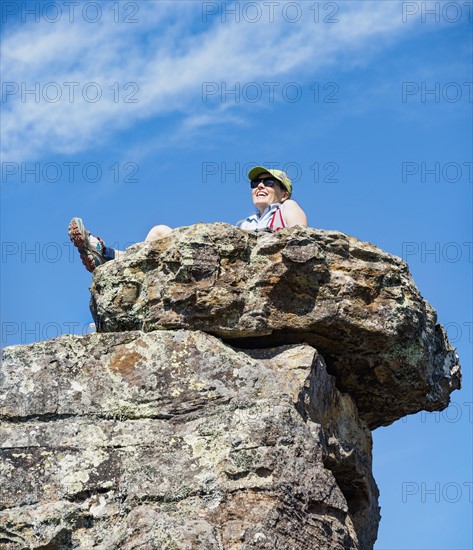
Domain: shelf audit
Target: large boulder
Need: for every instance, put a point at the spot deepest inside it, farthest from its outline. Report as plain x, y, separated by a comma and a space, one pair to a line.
355, 303
173, 439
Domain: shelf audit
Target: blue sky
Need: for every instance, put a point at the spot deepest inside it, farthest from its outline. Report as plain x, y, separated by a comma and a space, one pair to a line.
126, 117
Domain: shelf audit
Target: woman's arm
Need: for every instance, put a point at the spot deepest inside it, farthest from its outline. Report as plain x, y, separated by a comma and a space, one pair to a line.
293, 214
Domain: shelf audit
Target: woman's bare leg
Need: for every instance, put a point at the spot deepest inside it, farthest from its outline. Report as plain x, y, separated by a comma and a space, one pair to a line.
94, 252
158, 232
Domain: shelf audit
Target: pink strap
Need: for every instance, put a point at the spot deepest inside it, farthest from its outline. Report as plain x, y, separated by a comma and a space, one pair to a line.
271, 223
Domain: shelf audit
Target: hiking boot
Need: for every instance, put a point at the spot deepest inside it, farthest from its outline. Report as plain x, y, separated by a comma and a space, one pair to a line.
90, 247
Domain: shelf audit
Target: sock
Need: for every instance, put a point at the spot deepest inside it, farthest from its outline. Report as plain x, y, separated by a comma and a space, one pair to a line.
108, 253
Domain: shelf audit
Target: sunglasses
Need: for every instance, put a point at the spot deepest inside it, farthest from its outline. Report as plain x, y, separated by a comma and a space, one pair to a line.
267, 182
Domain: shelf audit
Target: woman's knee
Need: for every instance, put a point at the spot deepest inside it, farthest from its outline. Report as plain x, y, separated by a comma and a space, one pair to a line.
158, 232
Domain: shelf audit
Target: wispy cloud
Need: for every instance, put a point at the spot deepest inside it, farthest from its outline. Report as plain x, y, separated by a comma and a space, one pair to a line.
157, 67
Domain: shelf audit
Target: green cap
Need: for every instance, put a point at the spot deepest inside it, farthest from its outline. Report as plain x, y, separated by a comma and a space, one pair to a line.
278, 174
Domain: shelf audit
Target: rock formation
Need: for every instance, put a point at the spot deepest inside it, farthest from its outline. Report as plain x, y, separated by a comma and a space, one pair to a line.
226, 401
355, 303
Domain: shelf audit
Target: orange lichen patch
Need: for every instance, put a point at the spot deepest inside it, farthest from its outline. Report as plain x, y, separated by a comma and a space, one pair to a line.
125, 362
152, 293
240, 512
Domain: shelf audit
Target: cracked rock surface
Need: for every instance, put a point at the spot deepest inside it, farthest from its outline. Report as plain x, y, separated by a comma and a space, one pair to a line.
172, 439
226, 401
355, 303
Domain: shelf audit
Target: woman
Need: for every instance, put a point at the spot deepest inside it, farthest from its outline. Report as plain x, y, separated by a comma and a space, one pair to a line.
271, 193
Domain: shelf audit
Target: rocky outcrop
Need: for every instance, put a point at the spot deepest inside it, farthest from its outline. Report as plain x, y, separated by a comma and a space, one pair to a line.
174, 440
226, 401
355, 303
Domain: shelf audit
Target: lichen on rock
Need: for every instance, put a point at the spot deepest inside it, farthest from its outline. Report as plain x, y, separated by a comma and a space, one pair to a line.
355, 303
222, 447
227, 400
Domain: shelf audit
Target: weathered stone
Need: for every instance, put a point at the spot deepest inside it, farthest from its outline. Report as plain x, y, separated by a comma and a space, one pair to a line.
355, 303
172, 439
137, 437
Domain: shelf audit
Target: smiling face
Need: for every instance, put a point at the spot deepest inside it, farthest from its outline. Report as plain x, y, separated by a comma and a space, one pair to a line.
264, 196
